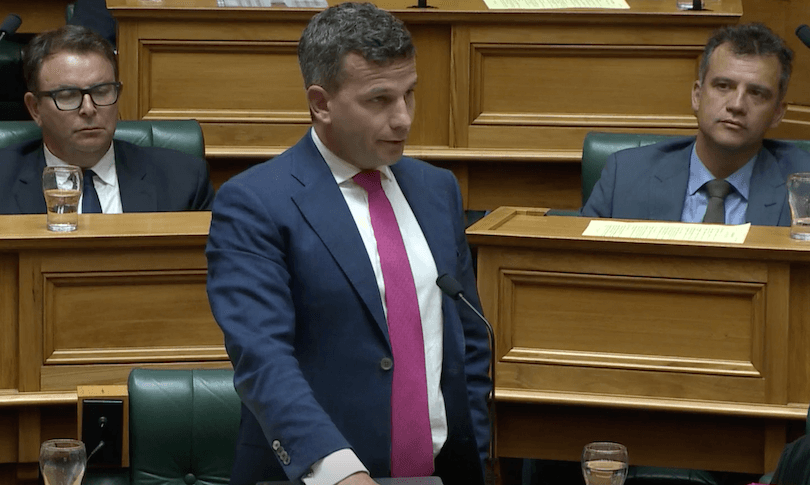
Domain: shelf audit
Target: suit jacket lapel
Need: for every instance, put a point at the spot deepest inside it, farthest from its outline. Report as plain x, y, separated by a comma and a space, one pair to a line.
668, 184
322, 205
137, 194
427, 206
767, 191
28, 189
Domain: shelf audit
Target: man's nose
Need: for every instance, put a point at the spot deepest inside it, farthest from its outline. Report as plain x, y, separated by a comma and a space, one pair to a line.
736, 102
88, 107
402, 115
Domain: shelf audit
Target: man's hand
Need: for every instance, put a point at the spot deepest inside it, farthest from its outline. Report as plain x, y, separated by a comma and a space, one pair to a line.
359, 478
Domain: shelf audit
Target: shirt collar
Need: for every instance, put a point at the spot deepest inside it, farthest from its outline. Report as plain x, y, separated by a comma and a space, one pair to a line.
104, 168
341, 169
699, 175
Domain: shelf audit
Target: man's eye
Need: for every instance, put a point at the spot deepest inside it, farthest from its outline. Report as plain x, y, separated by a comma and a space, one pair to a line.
65, 95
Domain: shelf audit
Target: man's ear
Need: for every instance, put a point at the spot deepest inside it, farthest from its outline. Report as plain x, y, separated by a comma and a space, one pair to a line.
696, 96
32, 103
781, 109
318, 99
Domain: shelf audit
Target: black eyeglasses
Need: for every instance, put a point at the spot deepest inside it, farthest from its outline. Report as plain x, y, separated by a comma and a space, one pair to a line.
69, 99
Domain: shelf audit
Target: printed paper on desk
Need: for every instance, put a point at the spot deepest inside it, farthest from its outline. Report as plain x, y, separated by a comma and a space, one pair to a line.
554, 4
671, 231
273, 3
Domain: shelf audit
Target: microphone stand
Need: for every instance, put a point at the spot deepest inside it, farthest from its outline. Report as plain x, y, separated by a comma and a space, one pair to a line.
421, 4
454, 290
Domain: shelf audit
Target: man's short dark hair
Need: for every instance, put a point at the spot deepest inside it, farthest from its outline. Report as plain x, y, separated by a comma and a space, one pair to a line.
751, 40
70, 38
349, 27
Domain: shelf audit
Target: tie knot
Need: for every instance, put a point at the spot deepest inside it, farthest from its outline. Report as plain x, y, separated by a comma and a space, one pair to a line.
369, 180
88, 175
718, 188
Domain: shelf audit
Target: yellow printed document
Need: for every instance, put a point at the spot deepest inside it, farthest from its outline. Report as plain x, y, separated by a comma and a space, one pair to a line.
672, 231
553, 4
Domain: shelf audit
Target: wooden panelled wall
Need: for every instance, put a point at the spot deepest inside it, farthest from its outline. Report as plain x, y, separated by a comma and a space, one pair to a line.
520, 144
504, 99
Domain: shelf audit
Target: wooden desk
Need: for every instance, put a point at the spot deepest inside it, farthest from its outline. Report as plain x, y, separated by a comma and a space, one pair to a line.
83, 308
693, 355
504, 99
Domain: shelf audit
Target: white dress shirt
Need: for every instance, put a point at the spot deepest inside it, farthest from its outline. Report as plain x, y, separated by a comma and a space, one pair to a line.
105, 180
342, 463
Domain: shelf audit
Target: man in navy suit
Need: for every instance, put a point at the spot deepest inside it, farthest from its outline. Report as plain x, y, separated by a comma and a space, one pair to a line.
298, 283
739, 95
72, 78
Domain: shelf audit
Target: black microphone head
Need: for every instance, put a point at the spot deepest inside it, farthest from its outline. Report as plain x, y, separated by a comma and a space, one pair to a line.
803, 33
11, 23
449, 286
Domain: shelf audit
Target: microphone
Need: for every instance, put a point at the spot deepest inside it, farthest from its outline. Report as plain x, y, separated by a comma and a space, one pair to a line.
10, 25
803, 33
452, 288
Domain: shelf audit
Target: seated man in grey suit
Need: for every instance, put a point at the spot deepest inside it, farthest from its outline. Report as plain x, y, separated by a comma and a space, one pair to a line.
73, 88
740, 94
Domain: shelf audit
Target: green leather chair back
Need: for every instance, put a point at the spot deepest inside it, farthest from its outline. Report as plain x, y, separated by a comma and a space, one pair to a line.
182, 135
183, 426
597, 147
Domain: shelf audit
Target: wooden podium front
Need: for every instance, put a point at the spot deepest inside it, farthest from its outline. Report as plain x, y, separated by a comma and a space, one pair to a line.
693, 355
84, 308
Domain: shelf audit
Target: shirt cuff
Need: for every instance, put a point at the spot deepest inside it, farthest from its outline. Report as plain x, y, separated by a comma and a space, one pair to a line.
333, 468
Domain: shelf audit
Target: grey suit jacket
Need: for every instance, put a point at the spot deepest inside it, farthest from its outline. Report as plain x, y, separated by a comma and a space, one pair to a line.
650, 183
149, 179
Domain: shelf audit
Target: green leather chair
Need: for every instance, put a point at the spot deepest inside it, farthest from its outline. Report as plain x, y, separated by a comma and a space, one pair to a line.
182, 135
183, 426
597, 147
12, 84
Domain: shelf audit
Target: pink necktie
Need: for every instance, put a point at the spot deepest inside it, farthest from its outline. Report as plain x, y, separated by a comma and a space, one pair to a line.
411, 442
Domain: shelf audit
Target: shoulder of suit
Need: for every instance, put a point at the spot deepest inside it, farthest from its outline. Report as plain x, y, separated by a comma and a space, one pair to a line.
159, 156
788, 152
13, 157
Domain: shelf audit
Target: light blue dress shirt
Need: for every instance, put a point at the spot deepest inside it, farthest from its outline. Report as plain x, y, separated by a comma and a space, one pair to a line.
697, 199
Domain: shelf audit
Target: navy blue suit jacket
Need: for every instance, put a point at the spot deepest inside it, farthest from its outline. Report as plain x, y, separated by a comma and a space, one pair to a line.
650, 183
291, 285
149, 179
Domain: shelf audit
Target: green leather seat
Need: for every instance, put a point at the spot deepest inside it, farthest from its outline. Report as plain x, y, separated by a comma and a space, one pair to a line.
183, 426
182, 135
597, 147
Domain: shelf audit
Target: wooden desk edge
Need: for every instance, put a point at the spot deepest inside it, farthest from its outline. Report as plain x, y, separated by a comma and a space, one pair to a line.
792, 411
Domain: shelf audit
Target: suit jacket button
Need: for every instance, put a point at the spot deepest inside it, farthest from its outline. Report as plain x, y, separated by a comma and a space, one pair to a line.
386, 363
276, 445
190, 479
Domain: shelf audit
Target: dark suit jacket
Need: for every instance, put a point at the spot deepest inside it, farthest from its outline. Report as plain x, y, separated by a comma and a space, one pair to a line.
150, 179
291, 285
650, 183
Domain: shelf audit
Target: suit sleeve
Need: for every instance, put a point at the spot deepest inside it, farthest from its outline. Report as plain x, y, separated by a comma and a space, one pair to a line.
600, 203
250, 296
477, 353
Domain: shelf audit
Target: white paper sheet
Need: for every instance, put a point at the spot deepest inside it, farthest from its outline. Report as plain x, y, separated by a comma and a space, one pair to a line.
273, 3
554, 4
673, 231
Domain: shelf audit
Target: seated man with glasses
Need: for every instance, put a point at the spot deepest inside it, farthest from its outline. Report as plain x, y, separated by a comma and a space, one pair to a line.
73, 89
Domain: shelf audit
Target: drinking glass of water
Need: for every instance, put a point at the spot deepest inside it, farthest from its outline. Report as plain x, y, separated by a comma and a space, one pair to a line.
604, 463
62, 461
62, 187
798, 185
